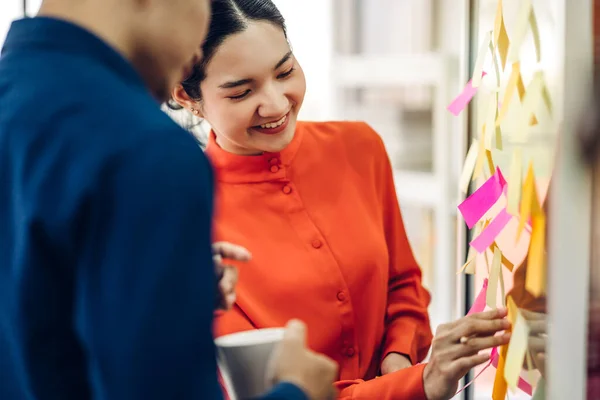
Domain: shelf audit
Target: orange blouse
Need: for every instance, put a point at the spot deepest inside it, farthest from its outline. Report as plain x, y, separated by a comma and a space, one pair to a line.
322, 221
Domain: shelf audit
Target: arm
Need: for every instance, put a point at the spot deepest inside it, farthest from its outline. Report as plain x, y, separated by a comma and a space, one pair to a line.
408, 330
145, 283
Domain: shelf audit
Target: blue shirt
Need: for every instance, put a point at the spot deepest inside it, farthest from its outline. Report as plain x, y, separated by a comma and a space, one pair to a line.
107, 285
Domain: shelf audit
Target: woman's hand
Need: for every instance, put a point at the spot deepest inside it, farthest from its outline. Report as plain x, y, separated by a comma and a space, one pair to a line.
455, 350
394, 362
537, 339
227, 275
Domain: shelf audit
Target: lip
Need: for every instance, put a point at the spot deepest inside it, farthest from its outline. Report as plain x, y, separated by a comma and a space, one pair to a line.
274, 131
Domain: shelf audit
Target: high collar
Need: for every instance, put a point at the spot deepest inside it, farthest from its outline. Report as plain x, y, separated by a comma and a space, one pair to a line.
45, 33
235, 168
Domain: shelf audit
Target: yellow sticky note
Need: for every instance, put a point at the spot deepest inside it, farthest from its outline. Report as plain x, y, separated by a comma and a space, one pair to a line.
515, 355
500, 387
547, 98
515, 179
533, 95
528, 193
505, 260
498, 143
495, 62
480, 60
512, 310
502, 288
469, 267
509, 92
501, 40
479, 164
535, 30
492, 291
490, 162
535, 280
468, 167
520, 30
490, 122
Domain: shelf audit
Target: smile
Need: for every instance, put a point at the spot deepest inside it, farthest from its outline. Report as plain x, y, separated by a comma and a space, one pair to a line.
272, 125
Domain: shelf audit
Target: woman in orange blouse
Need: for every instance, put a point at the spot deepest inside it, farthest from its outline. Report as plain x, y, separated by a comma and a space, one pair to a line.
315, 203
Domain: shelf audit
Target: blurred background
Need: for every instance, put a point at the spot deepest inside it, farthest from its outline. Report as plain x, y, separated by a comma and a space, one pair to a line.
397, 64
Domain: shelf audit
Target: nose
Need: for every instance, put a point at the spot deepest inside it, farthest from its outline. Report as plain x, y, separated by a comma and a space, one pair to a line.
274, 102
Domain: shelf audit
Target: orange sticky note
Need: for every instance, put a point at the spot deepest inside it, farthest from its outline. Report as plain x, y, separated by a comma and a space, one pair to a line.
500, 386
535, 280
501, 40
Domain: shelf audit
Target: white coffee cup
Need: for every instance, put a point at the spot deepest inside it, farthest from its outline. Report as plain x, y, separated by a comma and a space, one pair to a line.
243, 358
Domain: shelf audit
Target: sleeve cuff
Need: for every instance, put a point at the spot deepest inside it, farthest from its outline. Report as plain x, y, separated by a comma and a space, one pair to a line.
285, 391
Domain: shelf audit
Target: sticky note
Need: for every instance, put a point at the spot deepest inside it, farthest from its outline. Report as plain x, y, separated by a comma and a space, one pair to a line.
509, 92
505, 260
532, 98
500, 386
476, 205
490, 122
535, 280
464, 98
528, 197
490, 162
498, 142
481, 157
480, 60
495, 63
492, 291
515, 355
512, 309
479, 303
469, 267
487, 237
514, 185
535, 30
520, 30
468, 167
502, 288
501, 40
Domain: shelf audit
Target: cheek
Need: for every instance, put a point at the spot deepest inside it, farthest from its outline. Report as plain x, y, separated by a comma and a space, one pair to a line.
297, 88
230, 119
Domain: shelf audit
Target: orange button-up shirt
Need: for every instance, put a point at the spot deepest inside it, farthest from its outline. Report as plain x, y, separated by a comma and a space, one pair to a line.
322, 221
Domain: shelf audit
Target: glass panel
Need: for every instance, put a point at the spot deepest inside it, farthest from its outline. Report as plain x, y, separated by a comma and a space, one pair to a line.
537, 148
419, 225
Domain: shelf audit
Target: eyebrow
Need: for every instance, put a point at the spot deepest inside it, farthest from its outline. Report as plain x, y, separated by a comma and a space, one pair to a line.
241, 82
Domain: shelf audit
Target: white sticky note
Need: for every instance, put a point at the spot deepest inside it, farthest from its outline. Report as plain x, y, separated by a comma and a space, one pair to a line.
490, 122
480, 60
520, 30
533, 95
535, 31
515, 183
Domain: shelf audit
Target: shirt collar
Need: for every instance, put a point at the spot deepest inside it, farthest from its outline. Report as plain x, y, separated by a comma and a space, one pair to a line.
45, 33
234, 168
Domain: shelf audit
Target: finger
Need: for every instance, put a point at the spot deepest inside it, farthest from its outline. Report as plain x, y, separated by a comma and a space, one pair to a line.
532, 316
295, 332
537, 326
477, 344
537, 344
230, 301
231, 251
230, 275
469, 327
461, 367
497, 313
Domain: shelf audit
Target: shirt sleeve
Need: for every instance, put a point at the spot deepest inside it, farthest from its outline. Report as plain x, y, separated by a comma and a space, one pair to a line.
406, 384
408, 329
145, 284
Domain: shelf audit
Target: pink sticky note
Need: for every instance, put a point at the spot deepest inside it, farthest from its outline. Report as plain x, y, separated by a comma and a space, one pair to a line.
479, 303
464, 98
490, 233
477, 204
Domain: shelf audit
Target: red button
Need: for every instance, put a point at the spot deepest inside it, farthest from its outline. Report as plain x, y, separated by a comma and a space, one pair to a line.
317, 244
274, 161
287, 189
341, 296
274, 168
350, 352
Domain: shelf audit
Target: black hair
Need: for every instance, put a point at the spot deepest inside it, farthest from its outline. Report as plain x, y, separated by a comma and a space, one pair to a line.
228, 17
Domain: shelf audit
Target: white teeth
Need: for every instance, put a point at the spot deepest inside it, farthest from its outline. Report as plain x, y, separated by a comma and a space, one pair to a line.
272, 125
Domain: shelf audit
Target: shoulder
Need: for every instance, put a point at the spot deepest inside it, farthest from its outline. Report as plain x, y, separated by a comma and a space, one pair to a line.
355, 136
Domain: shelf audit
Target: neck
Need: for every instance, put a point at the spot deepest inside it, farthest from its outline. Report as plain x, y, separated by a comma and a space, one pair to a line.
103, 18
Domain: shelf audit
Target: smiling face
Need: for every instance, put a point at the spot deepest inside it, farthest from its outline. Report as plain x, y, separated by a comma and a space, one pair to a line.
253, 90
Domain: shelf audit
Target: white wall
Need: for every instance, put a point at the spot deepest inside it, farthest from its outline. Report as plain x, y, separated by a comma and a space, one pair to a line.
310, 30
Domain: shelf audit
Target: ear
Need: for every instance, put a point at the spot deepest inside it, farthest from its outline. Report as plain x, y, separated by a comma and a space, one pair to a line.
181, 97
